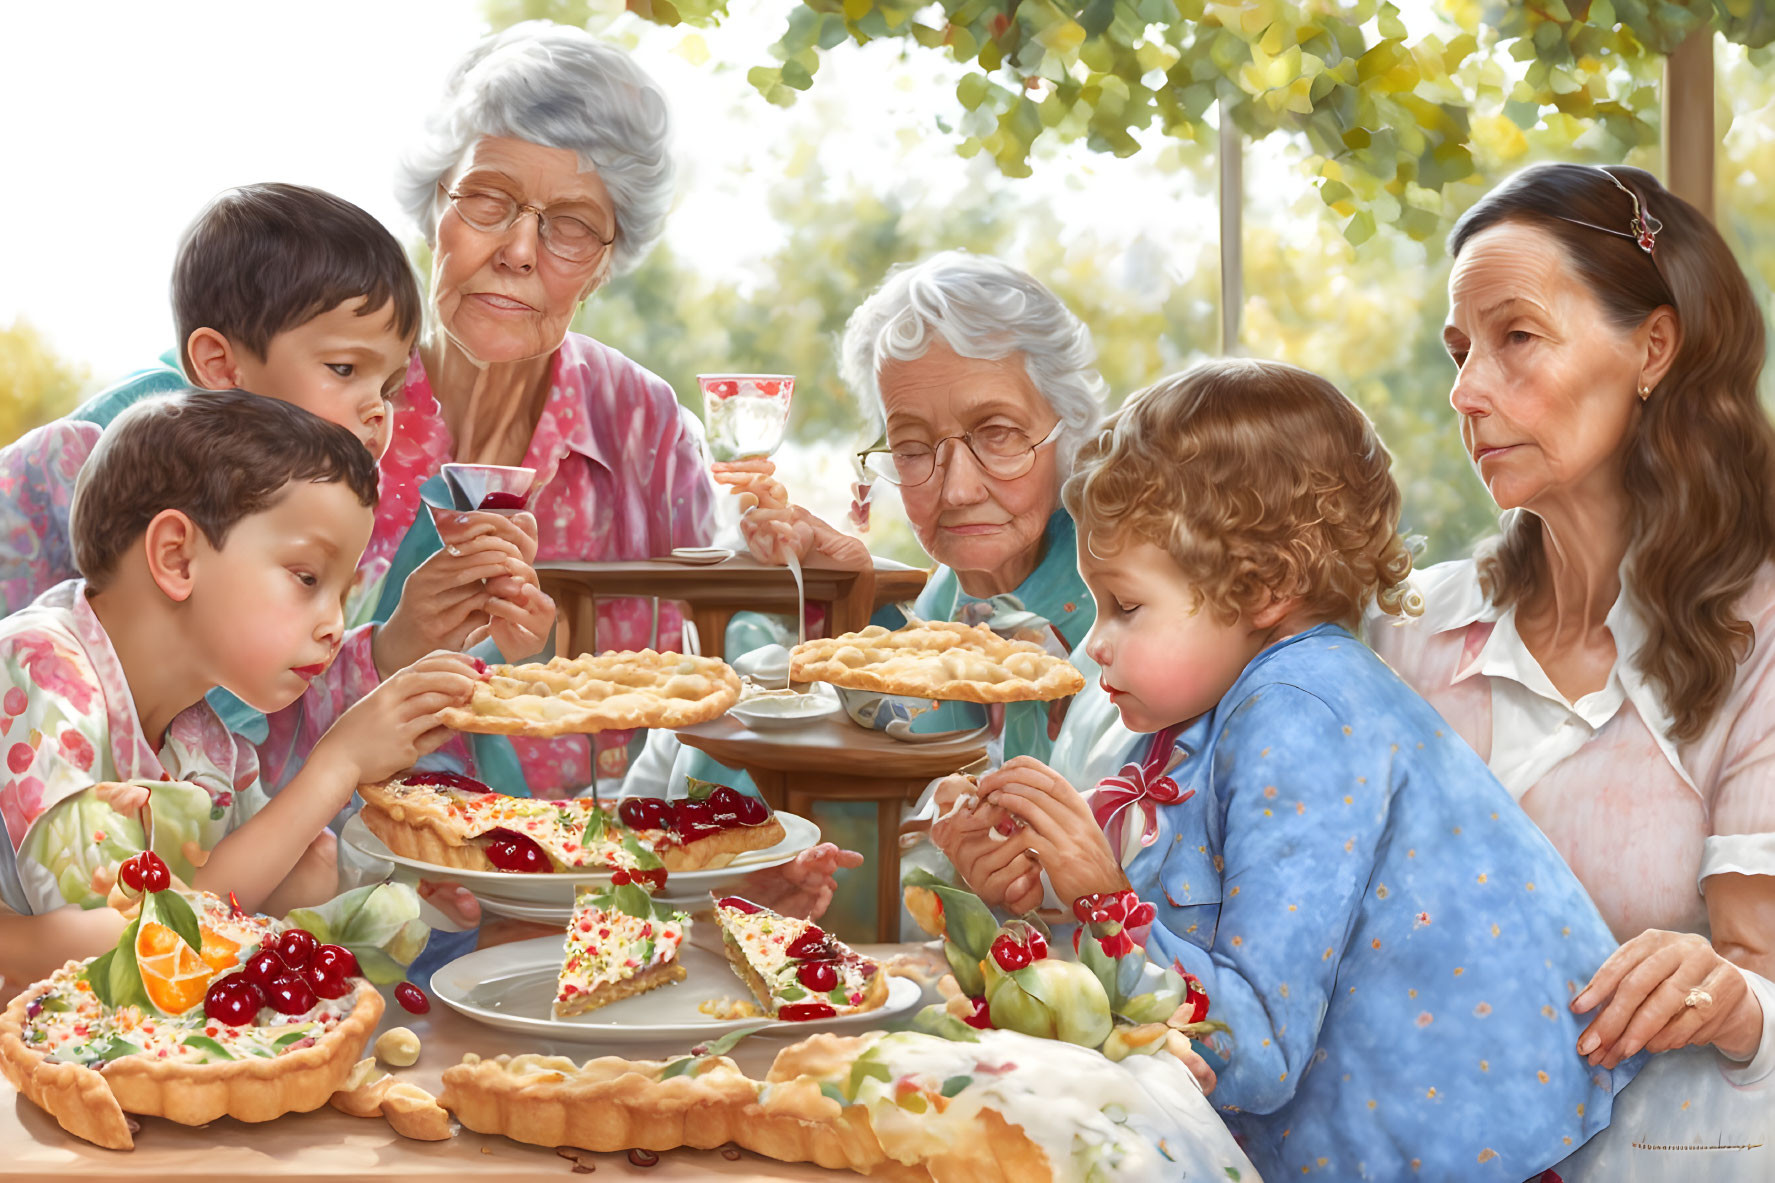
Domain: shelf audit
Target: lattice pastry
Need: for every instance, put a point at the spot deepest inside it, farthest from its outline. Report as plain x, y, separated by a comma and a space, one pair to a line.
605, 692
937, 659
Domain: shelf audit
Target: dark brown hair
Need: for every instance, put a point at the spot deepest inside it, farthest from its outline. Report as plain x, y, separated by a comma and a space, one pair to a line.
1700, 468
262, 259
217, 456
1257, 477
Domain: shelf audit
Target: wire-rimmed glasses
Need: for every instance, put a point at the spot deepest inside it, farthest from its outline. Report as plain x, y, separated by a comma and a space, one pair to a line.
1002, 451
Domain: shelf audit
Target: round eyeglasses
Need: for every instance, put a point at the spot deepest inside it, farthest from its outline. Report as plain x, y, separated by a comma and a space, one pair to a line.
1002, 451
566, 237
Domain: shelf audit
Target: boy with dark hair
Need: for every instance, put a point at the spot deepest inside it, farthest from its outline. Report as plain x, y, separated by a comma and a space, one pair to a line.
220, 532
300, 296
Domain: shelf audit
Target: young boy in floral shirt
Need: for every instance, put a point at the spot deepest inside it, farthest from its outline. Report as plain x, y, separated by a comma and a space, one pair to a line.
218, 533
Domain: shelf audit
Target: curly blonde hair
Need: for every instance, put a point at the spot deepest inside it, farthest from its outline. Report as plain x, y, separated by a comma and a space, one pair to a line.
1260, 480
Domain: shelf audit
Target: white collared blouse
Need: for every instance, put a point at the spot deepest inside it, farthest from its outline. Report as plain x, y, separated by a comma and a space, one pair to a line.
1642, 818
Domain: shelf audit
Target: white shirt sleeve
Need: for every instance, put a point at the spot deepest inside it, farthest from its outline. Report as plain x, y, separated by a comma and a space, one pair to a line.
1761, 1065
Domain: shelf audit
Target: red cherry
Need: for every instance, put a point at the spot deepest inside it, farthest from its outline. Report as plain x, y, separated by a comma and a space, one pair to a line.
501, 500
740, 904
336, 955
801, 1012
446, 780
818, 976
645, 813
809, 944
297, 947
154, 872
1009, 952
753, 812
655, 878
326, 978
692, 813
619, 878
412, 998
263, 967
982, 1016
725, 799
515, 852
1038, 946
131, 873
289, 994
233, 1001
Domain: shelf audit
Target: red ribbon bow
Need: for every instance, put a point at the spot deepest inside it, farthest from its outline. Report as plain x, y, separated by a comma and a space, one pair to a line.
1141, 788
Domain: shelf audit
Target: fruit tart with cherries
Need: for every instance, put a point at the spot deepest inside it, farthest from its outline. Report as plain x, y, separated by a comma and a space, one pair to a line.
201, 1011
796, 970
450, 820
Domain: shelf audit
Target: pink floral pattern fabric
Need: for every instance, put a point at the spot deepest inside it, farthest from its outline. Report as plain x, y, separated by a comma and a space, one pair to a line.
68, 722
37, 473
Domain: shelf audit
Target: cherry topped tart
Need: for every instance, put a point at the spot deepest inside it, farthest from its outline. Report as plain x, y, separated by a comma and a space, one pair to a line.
164, 1022
454, 821
795, 969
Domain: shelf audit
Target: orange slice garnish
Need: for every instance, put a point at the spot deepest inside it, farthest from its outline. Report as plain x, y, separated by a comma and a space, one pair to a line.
174, 974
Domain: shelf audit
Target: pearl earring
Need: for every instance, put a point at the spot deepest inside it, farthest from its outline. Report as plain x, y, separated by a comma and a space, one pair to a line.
1645, 392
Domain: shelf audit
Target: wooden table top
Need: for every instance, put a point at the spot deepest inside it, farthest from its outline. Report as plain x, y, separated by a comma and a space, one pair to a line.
328, 1145
833, 744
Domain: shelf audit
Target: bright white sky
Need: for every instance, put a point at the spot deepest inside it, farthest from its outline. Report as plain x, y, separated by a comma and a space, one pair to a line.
122, 119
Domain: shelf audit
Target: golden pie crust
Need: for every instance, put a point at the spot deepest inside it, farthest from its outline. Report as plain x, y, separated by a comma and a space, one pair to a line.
937, 659
91, 1103
602, 692
611, 1104
410, 1111
415, 822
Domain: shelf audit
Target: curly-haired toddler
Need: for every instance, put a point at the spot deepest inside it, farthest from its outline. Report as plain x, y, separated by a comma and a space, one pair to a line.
1390, 940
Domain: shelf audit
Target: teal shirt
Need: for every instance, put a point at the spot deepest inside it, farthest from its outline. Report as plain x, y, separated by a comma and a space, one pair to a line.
1054, 591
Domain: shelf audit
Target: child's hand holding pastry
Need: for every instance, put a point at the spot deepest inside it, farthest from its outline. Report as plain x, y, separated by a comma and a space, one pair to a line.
397, 723
1059, 830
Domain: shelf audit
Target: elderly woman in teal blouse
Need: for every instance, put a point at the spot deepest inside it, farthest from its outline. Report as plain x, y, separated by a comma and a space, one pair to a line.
983, 384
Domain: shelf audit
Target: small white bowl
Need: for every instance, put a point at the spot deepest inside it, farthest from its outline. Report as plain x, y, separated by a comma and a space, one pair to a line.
775, 711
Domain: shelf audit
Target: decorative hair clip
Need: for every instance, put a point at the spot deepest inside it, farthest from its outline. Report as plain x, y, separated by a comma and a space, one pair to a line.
1645, 228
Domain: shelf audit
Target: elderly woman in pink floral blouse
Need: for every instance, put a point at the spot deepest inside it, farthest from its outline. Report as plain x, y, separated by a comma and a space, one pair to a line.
544, 172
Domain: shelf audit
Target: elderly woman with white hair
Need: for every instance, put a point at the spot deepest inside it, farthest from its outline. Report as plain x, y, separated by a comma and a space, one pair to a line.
983, 384
545, 170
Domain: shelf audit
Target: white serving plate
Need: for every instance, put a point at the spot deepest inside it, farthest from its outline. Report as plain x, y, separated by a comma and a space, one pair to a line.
512, 987
699, 555
549, 896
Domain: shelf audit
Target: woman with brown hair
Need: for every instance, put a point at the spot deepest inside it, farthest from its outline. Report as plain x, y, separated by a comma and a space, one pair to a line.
1608, 653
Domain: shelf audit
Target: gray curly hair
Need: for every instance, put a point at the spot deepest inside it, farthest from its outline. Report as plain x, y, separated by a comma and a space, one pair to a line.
560, 87
985, 309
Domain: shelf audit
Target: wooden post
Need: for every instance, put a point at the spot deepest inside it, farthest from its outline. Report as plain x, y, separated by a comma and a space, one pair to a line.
1688, 120
1232, 253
